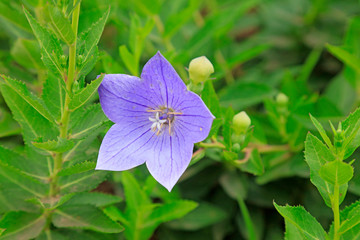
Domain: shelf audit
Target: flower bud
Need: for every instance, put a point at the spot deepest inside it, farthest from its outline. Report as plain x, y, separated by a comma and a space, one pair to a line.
282, 99
63, 60
200, 69
79, 60
241, 122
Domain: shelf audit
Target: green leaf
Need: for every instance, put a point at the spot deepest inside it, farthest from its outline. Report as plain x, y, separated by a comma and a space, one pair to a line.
347, 58
61, 145
203, 216
234, 184
247, 55
309, 65
21, 225
171, 211
34, 124
54, 95
86, 217
50, 47
87, 44
61, 25
292, 232
336, 172
86, 121
245, 94
303, 221
227, 127
350, 223
30, 167
27, 53
316, 155
18, 24
129, 60
322, 132
82, 181
77, 168
14, 178
22, 91
254, 165
134, 195
352, 137
96, 199
8, 126
85, 94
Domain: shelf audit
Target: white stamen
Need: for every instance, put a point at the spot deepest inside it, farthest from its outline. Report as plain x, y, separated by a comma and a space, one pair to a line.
156, 122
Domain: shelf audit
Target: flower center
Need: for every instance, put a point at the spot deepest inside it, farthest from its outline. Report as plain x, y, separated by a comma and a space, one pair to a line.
164, 117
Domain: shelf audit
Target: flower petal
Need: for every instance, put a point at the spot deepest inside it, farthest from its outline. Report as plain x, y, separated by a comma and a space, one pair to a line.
124, 98
162, 79
170, 158
196, 119
125, 147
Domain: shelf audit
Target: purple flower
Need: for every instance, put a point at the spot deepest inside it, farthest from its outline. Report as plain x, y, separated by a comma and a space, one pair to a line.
157, 121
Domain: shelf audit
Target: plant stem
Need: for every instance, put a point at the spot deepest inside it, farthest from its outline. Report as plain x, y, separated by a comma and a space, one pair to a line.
64, 122
246, 216
335, 208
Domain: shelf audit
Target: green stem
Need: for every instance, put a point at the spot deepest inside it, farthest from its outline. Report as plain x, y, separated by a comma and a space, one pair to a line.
246, 216
335, 209
64, 122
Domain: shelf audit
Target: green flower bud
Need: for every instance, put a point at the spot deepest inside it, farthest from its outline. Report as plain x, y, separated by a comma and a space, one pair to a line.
282, 99
200, 69
241, 122
79, 60
63, 60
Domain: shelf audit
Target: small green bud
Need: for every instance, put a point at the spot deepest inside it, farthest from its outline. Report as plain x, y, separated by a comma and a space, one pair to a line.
241, 122
200, 69
236, 147
79, 60
75, 87
282, 99
63, 60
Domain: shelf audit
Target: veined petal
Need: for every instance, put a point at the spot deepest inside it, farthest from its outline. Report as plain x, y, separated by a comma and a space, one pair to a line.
170, 157
125, 147
125, 99
161, 78
196, 119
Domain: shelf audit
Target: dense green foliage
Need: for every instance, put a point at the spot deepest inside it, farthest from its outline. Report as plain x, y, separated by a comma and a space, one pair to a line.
292, 65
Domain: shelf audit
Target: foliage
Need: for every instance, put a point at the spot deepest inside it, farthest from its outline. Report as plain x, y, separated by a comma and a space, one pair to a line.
290, 166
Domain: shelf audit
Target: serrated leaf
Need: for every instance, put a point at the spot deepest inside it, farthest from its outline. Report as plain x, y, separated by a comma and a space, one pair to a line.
309, 227
34, 124
50, 47
14, 178
86, 121
27, 53
21, 225
8, 126
30, 167
316, 155
336, 172
352, 138
61, 25
77, 168
93, 198
22, 91
350, 223
81, 182
61, 145
86, 217
87, 44
85, 94
322, 132
54, 95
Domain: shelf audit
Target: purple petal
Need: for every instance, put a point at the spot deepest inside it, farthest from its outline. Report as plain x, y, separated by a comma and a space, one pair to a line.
126, 146
125, 98
161, 77
196, 119
170, 158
